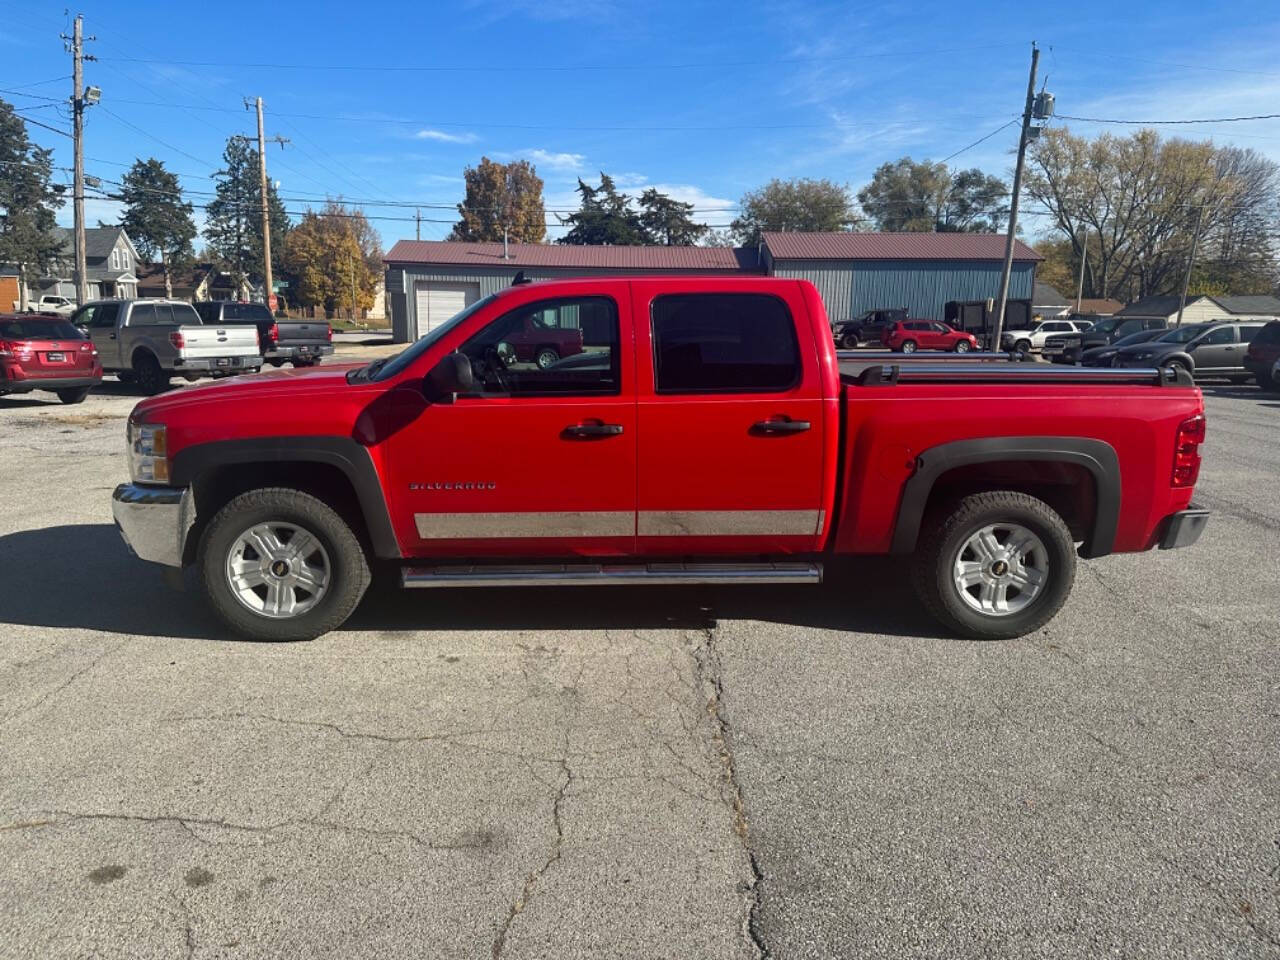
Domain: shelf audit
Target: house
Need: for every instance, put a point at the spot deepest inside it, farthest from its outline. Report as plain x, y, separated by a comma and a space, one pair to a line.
1201, 308
10, 289
192, 282
1097, 307
429, 281
110, 262
1047, 302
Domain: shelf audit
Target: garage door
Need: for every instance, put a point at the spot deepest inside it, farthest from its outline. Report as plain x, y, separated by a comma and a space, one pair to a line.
437, 302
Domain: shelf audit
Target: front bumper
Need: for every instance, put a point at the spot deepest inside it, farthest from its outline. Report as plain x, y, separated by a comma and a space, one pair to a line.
1183, 528
154, 521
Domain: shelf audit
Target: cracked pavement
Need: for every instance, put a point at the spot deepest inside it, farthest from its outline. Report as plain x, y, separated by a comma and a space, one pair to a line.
805, 772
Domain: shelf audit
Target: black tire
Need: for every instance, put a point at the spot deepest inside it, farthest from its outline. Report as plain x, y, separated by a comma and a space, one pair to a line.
302, 364
125, 376
849, 341
942, 540
276, 362
73, 395
545, 357
1268, 383
908, 346
349, 567
148, 374
1022, 347
1178, 364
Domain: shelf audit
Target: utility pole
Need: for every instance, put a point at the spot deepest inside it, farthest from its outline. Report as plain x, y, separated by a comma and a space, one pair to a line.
352, 264
1084, 254
1013, 201
268, 285
76, 48
417, 215
1186, 280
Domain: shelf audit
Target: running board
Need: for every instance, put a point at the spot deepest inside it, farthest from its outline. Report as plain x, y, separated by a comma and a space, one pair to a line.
604, 574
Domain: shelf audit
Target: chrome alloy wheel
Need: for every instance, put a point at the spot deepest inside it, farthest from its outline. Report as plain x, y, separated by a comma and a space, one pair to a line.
278, 570
1001, 569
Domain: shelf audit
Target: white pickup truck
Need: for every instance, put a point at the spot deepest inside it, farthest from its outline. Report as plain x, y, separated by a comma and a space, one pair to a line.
148, 342
59, 306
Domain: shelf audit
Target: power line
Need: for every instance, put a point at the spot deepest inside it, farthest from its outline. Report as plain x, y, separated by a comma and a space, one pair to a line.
980, 140
147, 133
46, 126
1151, 123
904, 55
38, 83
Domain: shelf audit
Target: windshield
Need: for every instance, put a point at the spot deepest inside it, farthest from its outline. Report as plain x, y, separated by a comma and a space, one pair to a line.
1183, 334
390, 367
1106, 325
1142, 336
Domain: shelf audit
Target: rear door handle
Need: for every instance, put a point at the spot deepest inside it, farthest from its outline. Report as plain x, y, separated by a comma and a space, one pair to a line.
776, 425
591, 430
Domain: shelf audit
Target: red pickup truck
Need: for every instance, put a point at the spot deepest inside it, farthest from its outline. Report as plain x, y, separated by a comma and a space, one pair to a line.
710, 435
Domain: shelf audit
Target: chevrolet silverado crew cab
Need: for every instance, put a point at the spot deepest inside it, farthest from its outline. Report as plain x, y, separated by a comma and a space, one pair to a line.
714, 438
299, 342
148, 342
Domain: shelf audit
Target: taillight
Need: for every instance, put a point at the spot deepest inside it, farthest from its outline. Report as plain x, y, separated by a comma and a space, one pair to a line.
1186, 451
329, 333
6, 348
177, 340
274, 333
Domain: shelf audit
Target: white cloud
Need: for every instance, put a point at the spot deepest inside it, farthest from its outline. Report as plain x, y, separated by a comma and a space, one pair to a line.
707, 207
555, 161
442, 136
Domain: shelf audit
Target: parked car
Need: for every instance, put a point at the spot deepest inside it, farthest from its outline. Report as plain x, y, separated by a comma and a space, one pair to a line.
1104, 356
53, 305
537, 337
723, 442
1033, 340
916, 335
46, 353
148, 342
1214, 349
1263, 354
868, 327
300, 342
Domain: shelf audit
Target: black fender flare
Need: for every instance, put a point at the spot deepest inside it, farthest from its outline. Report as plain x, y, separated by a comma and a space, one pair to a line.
342, 452
1096, 456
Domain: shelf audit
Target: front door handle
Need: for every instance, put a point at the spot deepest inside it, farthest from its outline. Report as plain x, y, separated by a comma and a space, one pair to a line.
777, 425
587, 431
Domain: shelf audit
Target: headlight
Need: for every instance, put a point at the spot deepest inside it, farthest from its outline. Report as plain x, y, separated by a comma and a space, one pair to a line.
148, 453
1145, 355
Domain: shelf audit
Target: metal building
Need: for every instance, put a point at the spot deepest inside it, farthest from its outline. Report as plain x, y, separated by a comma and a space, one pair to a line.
429, 281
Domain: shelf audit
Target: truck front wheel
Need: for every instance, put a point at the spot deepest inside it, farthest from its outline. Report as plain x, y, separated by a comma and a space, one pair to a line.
278, 564
545, 357
995, 565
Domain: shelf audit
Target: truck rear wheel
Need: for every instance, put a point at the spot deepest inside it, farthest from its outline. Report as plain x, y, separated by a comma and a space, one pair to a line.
149, 376
545, 357
278, 564
995, 565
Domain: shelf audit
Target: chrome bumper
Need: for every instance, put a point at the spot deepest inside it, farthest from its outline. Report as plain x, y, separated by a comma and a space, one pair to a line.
1183, 528
154, 521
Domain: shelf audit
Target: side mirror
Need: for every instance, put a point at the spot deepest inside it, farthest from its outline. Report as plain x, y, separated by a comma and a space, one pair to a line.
448, 378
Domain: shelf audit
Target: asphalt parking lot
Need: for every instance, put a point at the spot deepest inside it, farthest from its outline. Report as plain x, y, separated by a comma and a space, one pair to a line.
804, 772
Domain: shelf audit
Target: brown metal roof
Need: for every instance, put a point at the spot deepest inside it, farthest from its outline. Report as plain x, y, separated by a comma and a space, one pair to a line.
893, 246
568, 256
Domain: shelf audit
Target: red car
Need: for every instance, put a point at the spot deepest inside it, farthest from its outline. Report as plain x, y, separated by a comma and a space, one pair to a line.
41, 352
911, 335
714, 437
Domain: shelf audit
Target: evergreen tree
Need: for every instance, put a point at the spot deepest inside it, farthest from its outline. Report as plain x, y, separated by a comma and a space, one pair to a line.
28, 198
234, 226
604, 217
667, 221
156, 218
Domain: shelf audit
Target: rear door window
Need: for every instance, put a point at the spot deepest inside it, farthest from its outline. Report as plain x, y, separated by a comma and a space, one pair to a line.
724, 343
143, 315
1249, 334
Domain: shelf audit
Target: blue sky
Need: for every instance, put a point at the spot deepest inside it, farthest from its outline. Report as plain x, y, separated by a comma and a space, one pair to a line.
702, 100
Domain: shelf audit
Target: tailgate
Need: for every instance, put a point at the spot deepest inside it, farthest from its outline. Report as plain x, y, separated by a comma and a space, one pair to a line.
231, 340
303, 332
56, 358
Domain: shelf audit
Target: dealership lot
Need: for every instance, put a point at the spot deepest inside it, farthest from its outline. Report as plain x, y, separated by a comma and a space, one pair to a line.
807, 772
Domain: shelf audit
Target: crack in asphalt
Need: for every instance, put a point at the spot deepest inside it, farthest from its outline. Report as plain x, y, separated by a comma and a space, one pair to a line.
527, 891
45, 697
707, 660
